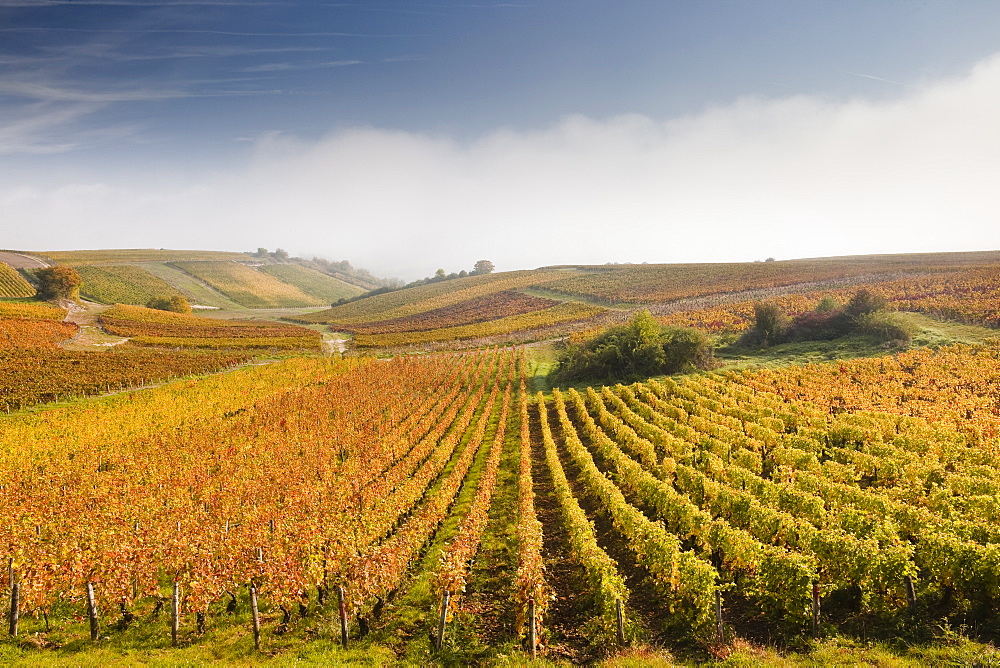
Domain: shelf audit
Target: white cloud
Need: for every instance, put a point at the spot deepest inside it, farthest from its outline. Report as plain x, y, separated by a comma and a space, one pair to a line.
792, 177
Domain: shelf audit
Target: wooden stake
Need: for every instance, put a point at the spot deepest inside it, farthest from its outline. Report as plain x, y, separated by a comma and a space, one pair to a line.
718, 617
175, 613
92, 612
911, 594
343, 616
444, 620
532, 630
619, 613
816, 610
256, 618
15, 595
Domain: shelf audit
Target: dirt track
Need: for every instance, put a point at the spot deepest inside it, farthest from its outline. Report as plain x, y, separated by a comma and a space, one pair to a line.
19, 261
90, 336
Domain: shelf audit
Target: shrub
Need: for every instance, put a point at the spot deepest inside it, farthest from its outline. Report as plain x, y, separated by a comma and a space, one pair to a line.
886, 327
864, 302
685, 350
769, 325
820, 325
176, 304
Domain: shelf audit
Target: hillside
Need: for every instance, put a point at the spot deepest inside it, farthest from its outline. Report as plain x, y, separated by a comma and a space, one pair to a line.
215, 279
791, 507
531, 305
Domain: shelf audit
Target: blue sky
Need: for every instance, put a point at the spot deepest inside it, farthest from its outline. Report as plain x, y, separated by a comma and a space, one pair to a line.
411, 135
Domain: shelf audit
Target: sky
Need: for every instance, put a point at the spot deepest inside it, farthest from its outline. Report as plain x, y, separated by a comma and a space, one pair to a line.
411, 136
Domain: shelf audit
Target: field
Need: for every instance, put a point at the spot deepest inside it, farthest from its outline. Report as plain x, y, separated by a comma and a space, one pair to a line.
528, 321
122, 284
150, 327
489, 307
421, 299
660, 283
964, 296
465, 511
311, 282
34, 369
12, 284
246, 286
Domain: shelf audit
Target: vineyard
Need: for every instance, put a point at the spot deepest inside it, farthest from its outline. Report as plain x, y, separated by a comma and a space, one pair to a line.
665, 282
150, 327
247, 286
427, 298
311, 282
965, 296
554, 315
122, 284
456, 508
833, 497
480, 309
34, 369
12, 284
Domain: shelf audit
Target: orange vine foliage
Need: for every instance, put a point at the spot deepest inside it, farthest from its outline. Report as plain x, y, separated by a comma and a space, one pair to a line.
274, 475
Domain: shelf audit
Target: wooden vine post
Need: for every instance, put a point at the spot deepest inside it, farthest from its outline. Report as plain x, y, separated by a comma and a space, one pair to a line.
92, 612
445, 598
719, 636
15, 593
175, 604
256, 618
815, 610
532, 630
343, 616
620, 618
911, 594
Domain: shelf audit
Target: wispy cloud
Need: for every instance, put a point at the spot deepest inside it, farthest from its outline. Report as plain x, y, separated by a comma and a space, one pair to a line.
875, 78
139, 52
135, 3
285, 67
196, 31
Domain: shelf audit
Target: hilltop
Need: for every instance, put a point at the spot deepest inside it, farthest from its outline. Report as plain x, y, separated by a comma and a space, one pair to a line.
531, 305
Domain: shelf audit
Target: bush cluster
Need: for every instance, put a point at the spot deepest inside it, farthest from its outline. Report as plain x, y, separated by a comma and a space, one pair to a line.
636, 350
865, 313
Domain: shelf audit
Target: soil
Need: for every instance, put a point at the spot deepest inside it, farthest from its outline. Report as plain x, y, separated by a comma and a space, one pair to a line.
90, 336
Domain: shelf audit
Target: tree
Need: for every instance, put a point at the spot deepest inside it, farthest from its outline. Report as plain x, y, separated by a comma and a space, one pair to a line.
482, 267
463, 273
261, 252
59, 282
439, 275
280, 254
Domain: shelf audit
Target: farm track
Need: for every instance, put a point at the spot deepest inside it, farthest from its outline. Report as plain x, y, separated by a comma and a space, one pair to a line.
569, 612
490, 589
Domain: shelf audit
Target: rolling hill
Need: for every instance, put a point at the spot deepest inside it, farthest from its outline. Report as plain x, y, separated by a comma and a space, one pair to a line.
214, 279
